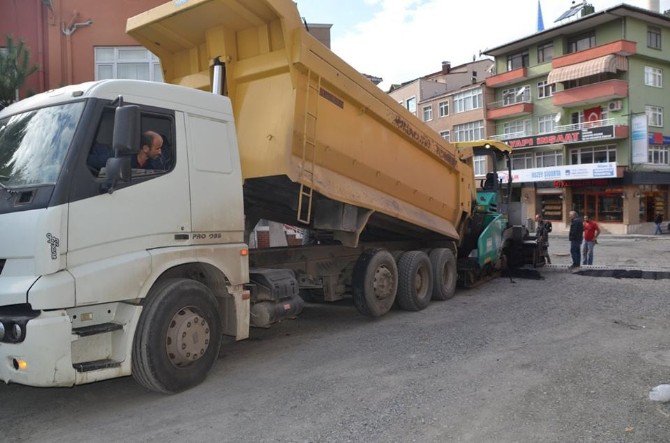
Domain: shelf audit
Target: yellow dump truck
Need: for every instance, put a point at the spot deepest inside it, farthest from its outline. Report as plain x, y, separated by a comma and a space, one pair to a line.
125, 248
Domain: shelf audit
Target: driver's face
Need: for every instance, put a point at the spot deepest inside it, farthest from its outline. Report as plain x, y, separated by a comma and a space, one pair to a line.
155, 149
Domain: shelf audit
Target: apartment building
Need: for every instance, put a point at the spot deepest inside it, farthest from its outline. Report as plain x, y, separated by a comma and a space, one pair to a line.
452, 102
584, 107
74, 41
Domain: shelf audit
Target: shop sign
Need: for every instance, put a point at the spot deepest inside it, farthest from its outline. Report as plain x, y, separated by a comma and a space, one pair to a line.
581, 135
560, 173
640, 139
657, 138
580, 183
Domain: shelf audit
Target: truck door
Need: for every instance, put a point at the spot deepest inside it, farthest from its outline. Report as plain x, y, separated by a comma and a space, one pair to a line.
109, 233
216, 181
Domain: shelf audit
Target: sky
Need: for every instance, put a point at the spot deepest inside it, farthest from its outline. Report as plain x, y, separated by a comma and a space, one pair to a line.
400, 40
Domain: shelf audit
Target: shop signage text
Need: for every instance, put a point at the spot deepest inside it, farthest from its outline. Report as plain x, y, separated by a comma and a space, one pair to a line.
582, 135
559, 173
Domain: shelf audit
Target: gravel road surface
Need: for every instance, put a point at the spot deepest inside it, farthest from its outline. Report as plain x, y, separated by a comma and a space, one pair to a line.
567, 358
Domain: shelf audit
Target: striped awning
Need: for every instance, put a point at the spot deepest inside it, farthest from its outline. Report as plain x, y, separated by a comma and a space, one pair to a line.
608, 63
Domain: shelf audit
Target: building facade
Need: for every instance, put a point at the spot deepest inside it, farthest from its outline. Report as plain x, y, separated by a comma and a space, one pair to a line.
584, 107
74, 41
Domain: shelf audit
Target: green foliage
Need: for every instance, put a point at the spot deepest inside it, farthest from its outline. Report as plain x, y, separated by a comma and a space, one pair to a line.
15, 67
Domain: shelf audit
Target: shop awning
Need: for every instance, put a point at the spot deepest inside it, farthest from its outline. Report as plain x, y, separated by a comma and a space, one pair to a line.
608, 63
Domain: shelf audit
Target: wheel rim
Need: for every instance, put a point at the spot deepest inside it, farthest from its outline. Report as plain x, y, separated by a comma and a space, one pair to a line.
187, 337
383, 283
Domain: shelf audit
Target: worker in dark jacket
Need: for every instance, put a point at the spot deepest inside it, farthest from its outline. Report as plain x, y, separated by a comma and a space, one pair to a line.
575, 236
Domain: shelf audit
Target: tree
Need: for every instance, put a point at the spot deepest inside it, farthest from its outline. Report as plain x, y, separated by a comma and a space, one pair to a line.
15, 67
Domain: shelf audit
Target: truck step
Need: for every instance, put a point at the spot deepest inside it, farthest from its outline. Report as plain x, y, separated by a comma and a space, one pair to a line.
88, 366
102, 328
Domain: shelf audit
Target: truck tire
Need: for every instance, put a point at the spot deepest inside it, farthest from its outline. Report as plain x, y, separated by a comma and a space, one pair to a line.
415, 281
445, 273
375, 282
176, 310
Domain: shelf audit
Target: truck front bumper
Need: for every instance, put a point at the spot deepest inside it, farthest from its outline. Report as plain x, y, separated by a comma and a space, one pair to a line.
44, 357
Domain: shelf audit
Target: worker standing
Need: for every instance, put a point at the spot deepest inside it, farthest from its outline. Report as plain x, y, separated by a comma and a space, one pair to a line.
591, 233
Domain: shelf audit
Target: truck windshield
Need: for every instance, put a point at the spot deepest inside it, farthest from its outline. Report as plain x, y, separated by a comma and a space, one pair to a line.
33, 144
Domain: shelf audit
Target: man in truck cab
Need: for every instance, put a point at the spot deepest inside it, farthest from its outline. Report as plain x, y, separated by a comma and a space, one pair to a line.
150, 152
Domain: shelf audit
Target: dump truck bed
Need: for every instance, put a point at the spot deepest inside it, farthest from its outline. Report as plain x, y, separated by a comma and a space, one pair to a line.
304, 116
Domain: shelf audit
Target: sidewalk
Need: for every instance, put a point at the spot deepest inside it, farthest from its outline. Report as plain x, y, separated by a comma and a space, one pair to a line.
649, 252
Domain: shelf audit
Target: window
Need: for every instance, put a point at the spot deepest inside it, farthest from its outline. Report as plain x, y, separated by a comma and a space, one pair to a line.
581, 42
653, 37
518, 60
159, 149
444, 108
546, 123
654, 115
659, 154
576, 118
595, 154
469, 131
445, 135
653, 77
427, 113
468, 100
545, 53
600, 206
544, 90
131, 62
519, 94
548, 159
480, 164
522, 161
410, 104
517, 128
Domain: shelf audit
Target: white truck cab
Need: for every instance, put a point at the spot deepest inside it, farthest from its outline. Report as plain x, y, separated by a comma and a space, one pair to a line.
87, 262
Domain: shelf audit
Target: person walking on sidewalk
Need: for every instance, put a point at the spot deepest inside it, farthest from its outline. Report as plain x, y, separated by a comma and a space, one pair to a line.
658, 220
591, 233
575, 236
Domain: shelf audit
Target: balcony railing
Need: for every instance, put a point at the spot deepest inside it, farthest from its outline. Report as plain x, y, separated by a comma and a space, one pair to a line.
503, 137
584, 125
507, 102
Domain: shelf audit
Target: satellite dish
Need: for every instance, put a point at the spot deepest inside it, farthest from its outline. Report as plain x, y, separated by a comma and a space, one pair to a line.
557, 118
520, 91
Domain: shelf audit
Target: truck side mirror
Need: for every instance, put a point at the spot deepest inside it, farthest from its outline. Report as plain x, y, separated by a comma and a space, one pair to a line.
126, 138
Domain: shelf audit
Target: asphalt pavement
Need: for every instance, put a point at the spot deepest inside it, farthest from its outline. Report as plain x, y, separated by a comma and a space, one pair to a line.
563, 358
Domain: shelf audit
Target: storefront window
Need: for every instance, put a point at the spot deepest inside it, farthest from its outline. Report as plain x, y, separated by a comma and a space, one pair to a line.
610, 208
552, 207
600, 206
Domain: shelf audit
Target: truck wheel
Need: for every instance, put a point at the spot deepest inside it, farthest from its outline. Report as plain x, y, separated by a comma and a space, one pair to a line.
178, 336
375, 282
415, 283
444, 273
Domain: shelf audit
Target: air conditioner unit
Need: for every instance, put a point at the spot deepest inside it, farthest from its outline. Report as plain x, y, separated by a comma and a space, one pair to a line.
615, 105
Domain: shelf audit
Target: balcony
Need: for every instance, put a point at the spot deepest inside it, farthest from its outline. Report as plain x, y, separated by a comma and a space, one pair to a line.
499, 110
591, 94
619, 47
507, 78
